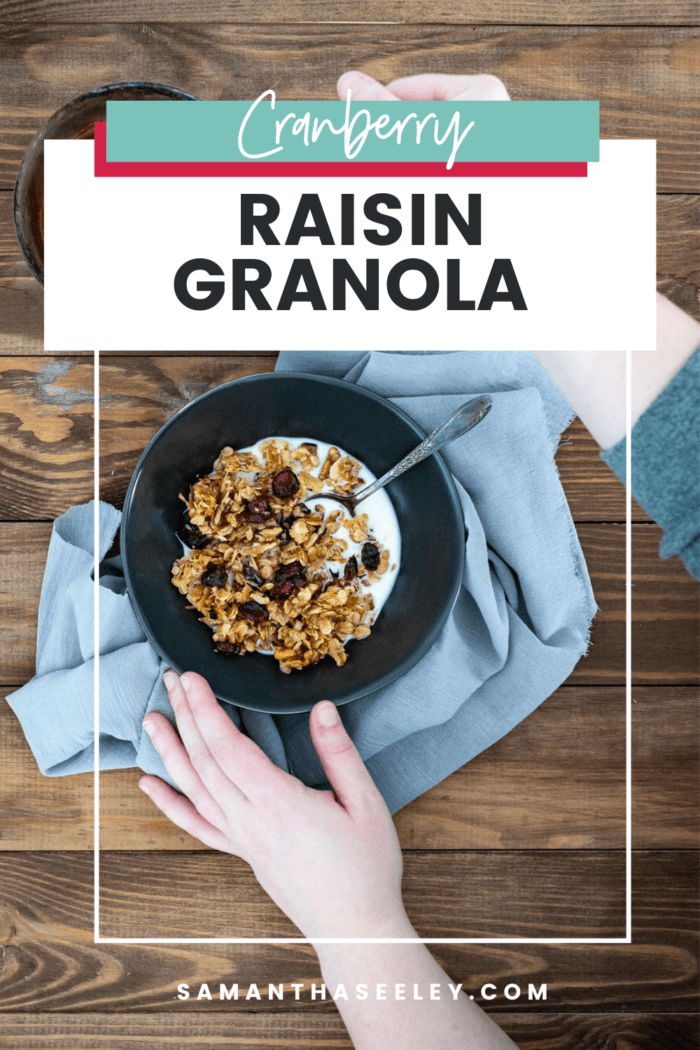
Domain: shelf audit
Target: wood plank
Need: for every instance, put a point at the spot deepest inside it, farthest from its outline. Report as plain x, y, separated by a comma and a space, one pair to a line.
47, 435
665, 607
521, 12
52, 964
309, 1031
584, 894
22, 558
555, 782
665, 610
46, 427
678, 250
22, 299
643, 77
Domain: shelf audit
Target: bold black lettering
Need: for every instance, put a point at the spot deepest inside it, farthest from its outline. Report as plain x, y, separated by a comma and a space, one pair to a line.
367, 293
215, 288
251, 285
393, 226
301, 270
309, 205
251, 222
417, 218
347, 218
393, 284
453, 300
502, 269
445, 208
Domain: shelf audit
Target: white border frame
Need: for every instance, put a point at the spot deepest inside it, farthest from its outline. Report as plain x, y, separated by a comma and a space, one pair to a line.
627, 939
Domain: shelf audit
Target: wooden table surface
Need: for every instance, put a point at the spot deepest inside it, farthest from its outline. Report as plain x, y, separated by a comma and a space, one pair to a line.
528, 839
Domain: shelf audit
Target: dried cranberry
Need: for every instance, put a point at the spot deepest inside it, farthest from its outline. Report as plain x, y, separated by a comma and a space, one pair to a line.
257, 511
287, 579
350, 570
216, 576
283, 589
227, 648
285, 483
253, 577
293, 568
370, 556
253, 611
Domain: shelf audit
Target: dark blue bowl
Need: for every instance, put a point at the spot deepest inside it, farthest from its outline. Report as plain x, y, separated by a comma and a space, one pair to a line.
295, 405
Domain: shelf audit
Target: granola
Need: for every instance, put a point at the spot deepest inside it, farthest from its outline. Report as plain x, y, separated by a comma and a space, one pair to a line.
270, 571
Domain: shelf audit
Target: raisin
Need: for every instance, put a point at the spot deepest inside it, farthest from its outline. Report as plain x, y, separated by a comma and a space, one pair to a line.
350, 570
253, 577
257, 511
227, 648
215, 576
190, 535
370, 556
285, 483
253, 611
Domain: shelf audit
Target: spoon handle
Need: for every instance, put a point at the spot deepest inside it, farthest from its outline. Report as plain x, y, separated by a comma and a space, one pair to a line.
466, 417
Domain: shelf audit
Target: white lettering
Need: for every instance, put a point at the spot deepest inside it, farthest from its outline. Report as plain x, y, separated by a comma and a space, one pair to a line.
318, 991
534, 993
400, 991
253, 992
245, 120
225, 994
279, 125
458, 139
455, 989
302, 126
318, 128
183, 991
434, 991
204, 992
484, 994
515, 991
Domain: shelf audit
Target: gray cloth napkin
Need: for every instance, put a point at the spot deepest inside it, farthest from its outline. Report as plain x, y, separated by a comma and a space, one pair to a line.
518, 628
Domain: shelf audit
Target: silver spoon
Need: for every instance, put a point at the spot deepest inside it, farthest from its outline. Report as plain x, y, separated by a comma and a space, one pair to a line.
458, 424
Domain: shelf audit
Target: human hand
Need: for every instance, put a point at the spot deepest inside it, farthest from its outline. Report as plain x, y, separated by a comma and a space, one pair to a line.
425, 87
329, 859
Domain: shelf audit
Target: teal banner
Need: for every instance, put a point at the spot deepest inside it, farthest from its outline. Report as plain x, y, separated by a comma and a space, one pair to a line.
269, 130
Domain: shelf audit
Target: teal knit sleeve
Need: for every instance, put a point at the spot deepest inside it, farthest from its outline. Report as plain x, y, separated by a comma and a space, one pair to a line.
666, 464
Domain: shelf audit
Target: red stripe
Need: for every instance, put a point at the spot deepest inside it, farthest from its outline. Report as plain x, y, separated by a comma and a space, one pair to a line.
327, 169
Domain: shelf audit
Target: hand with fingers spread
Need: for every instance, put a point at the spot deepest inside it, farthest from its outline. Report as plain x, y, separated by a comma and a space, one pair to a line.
330, 859
425, 87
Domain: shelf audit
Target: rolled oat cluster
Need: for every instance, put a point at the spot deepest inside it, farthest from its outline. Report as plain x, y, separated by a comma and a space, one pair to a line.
269, 573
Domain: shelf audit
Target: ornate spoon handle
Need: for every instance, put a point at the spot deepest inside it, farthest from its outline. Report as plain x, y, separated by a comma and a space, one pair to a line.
458, 423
